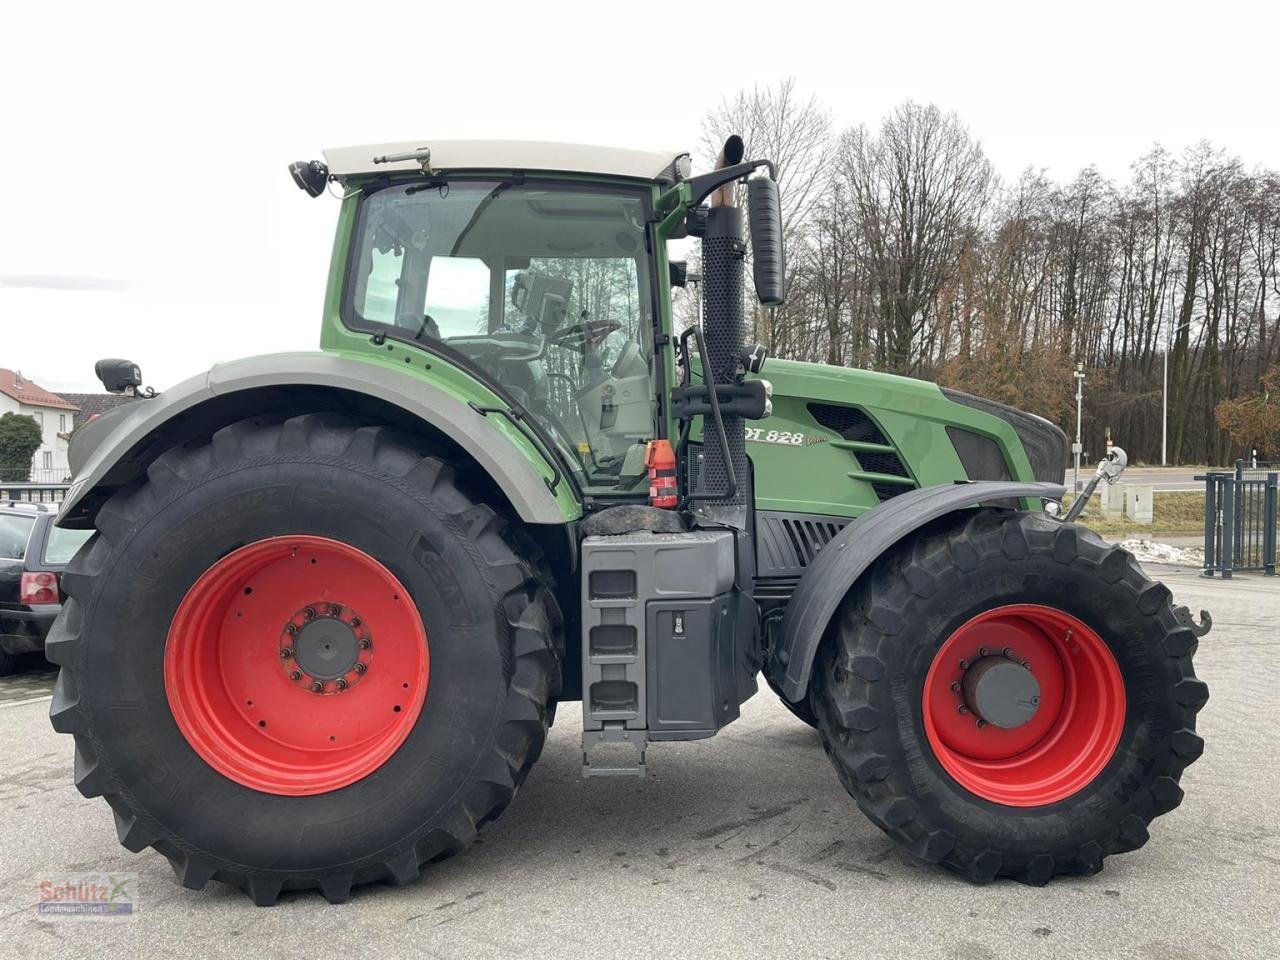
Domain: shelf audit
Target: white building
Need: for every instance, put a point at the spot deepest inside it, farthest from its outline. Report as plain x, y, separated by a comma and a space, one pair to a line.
55, 416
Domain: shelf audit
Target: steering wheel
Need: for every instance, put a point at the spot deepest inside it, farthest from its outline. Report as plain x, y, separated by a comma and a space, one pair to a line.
590, 333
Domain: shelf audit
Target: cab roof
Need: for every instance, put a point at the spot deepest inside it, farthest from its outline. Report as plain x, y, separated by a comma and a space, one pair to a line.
663, 166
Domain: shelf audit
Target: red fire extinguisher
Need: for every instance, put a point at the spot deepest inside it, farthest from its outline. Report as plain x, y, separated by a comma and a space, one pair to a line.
661, 461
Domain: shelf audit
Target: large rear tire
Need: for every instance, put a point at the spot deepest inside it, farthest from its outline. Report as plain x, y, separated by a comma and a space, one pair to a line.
305, 653
1100, 698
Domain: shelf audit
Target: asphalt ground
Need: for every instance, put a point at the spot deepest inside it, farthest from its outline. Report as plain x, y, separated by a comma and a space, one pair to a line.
740, 846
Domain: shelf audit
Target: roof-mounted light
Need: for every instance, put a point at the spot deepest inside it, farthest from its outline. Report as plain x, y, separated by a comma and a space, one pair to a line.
309, 175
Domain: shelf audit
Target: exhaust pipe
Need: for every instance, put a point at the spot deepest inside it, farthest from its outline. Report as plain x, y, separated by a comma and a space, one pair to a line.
730, 155
724, 324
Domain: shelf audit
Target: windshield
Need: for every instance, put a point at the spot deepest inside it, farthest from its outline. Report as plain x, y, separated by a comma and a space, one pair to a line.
544, 288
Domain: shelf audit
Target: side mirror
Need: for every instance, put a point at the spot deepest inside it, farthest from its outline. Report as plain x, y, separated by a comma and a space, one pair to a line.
769, 265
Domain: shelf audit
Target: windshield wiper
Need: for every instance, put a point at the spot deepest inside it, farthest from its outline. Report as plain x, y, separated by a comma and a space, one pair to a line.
435, 183
480, 208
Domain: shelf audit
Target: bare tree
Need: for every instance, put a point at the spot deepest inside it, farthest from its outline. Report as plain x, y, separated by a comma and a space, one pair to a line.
777, 123
780, 124
916, 188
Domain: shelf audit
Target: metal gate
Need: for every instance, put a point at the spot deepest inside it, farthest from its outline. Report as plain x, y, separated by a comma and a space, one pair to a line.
1240, 519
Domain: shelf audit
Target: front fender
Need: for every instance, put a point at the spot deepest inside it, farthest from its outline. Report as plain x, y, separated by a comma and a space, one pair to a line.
119, 447
852, 552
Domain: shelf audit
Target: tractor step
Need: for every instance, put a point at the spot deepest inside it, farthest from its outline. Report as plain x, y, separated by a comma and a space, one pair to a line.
658, 622
613, 752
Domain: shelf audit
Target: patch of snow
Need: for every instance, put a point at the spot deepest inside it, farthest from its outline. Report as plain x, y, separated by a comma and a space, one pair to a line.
1151, 551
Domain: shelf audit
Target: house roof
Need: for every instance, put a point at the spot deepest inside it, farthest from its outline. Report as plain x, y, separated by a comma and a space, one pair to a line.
95, 404
13, 384
538, 155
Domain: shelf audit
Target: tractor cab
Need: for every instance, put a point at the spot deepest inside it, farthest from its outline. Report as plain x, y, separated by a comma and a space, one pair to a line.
541, 270
544, 288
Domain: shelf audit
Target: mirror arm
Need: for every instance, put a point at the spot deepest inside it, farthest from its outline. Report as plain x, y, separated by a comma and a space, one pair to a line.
702, 186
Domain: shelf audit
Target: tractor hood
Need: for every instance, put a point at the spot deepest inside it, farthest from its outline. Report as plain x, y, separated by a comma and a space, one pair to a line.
841, 440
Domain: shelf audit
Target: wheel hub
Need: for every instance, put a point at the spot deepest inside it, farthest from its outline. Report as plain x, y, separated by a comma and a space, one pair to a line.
1001, 691
326, 648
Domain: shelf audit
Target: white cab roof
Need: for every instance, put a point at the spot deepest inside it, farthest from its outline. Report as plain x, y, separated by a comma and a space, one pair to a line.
508, 155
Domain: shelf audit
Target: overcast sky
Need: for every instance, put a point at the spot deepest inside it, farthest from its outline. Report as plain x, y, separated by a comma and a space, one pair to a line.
148, 212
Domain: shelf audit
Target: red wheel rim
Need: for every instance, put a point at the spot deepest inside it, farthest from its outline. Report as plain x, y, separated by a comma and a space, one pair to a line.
296, 665
1069, 739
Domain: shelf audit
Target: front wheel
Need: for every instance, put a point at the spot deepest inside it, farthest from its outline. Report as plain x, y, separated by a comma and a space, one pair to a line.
1010, 697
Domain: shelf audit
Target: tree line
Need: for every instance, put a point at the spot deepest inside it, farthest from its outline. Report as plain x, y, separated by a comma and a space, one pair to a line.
908, 253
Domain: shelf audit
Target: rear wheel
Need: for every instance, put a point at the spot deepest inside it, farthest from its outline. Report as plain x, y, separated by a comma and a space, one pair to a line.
1011, 697
318, 658
8, 663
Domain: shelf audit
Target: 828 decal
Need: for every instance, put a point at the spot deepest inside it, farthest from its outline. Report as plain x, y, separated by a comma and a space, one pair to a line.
784, 437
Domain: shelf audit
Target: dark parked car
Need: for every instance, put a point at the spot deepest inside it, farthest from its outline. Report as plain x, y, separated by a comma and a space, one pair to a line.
32, 554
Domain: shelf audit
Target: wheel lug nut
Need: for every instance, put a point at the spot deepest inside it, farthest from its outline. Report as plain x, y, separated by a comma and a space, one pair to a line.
955, 687
290, 629
334, 609
981, 723
317, 686
340, 683
359, 668
355, 622
1008, 652
286, 653
296, 675
962, 709
309, 614
1026, 664
365, 643
982, 651
964, 664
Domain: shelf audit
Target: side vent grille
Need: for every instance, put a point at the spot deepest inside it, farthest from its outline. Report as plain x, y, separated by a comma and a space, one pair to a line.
789, 542
852, 423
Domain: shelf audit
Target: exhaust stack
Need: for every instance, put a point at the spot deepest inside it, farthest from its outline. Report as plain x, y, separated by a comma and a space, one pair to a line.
724, 324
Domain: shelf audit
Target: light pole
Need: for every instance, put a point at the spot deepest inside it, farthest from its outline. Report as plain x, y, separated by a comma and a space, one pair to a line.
1164, 395
1075, 447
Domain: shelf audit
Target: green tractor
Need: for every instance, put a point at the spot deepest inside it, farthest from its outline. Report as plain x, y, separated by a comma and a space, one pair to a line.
334, 598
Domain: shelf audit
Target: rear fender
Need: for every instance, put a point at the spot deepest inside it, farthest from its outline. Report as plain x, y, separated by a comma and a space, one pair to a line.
854, 550
118, 447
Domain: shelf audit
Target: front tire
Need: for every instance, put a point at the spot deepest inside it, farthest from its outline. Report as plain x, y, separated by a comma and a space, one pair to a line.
1106, 728
243, 751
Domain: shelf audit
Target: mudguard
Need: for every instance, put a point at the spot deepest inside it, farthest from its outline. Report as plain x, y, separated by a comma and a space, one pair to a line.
116, 448
852, 552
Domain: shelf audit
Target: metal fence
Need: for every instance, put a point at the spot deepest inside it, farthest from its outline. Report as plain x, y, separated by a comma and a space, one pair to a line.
34, 492
42, 475
1240, 521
